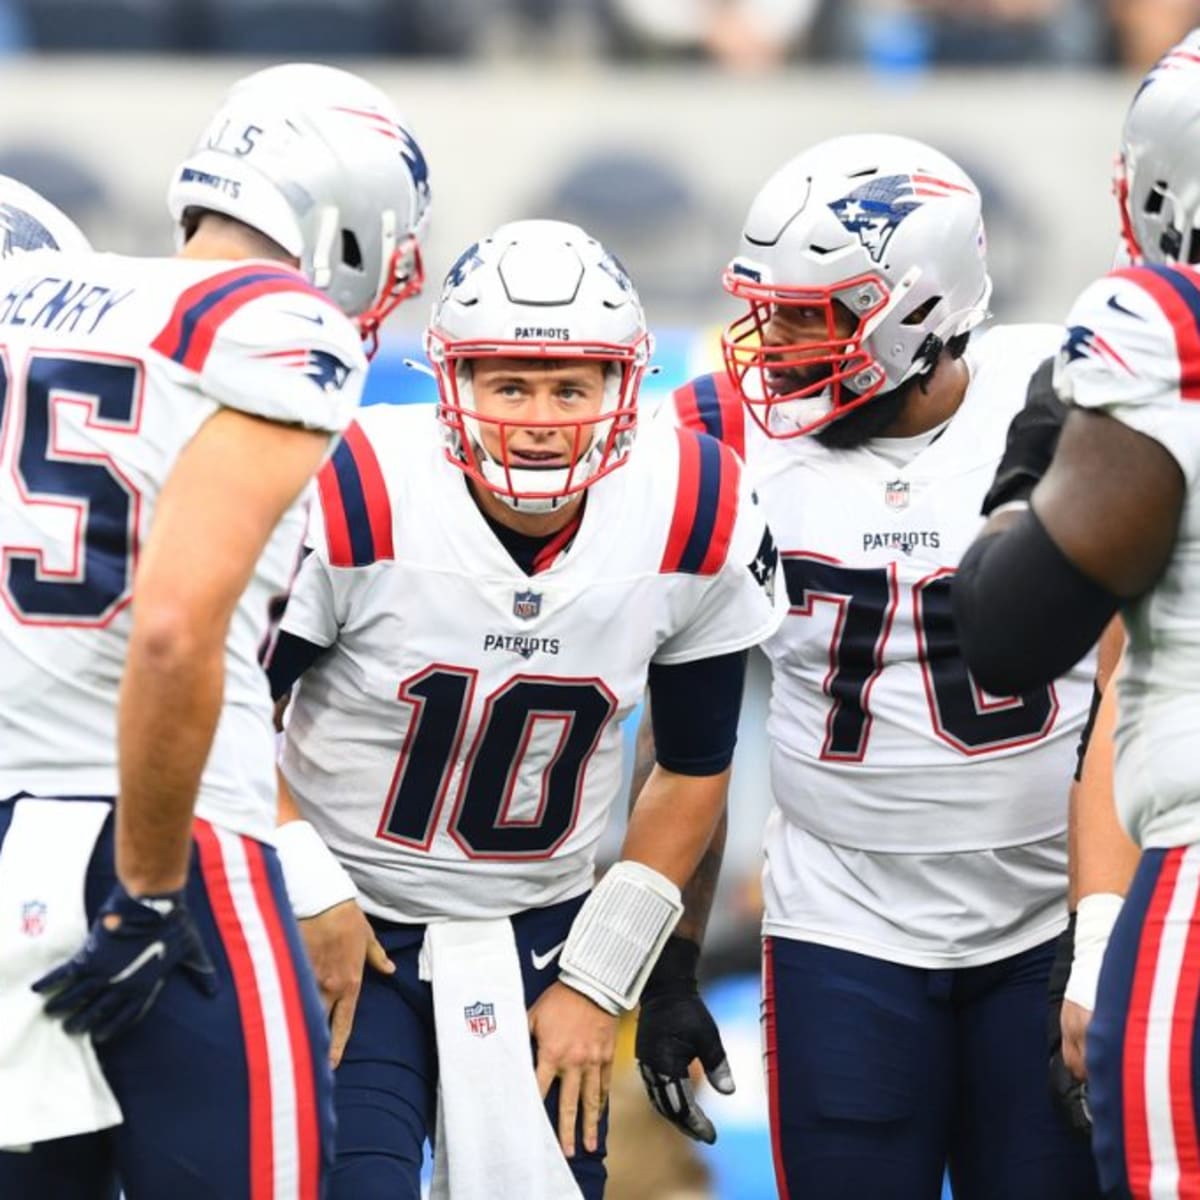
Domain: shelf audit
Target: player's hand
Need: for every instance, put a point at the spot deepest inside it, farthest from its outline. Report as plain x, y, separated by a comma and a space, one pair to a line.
576, 1041
340, 942
1075, 1021
674, 1029
134, 943
1066, 1025
1032, 439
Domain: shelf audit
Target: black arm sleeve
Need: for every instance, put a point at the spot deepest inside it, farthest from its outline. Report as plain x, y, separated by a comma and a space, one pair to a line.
289, 659
694, 710
1025, 613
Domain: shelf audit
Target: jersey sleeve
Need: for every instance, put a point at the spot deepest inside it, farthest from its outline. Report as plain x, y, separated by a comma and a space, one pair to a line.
1132, 350
735, 600
262, 340
710, 404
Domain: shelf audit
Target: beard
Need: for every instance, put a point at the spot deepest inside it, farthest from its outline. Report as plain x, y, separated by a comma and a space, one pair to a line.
872, 420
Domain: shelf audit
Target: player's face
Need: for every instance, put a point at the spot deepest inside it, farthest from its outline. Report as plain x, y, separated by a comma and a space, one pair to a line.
801, 332
537, 414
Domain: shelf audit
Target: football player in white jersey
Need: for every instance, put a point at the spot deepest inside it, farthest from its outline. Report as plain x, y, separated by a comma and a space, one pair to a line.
160, 421
915, 876
489, 589
1113, 526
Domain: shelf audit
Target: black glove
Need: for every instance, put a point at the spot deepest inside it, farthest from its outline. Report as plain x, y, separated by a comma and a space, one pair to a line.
1032, 439
675, 1027
1068, 1093
133, 945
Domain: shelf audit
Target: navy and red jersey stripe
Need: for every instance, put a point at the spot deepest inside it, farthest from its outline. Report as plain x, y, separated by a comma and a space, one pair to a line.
1175, 291
706, 503
202, 309
355, 503
712, 405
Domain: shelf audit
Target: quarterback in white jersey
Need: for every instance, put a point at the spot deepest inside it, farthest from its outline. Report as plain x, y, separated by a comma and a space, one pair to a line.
1115, 523
475, 643
915, 874
160, 420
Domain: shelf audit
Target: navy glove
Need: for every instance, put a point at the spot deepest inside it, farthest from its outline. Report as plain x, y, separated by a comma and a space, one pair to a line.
1032, 439
1068, 1093
131, 948
674, 1028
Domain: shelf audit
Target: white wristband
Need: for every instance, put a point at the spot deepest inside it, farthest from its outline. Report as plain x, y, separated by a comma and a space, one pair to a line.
315, 879
618, 934
1094, 920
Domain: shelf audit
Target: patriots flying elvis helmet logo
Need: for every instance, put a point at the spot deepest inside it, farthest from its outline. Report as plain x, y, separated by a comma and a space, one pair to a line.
875, 209
21, 231
326, 370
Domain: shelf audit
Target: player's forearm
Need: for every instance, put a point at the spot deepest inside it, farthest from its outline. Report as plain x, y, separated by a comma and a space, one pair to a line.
673, 822
170, 703
285, 805
1106, 856
699, 891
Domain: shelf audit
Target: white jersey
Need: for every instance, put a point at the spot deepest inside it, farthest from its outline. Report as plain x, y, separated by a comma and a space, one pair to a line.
916, 818
458, 745
1132, 351
109, 366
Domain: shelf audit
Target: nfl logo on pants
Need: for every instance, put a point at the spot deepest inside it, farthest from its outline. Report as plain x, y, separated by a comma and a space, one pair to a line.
480, 1018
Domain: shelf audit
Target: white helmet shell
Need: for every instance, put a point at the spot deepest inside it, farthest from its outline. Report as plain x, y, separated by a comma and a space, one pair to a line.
30, 222
887, 225
539, 289
1158, 169
319, 161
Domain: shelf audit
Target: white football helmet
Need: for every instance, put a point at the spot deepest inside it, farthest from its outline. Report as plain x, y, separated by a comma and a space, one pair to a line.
538, 290
30, 222
886, 227
1157, 180
319, 161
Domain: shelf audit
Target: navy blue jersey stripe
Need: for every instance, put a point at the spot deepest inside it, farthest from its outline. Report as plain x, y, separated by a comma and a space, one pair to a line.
705, 519
195, 313
354, 504
708, 405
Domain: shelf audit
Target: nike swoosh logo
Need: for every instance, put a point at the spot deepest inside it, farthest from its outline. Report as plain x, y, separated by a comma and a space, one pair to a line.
1117, 306
151, 952
542, 961
318, 319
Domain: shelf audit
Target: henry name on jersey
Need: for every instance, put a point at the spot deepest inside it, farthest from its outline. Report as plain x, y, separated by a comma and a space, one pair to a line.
53, 302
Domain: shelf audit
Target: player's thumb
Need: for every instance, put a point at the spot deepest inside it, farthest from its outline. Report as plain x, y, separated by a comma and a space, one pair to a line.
199, 969
377, 957
716, 1067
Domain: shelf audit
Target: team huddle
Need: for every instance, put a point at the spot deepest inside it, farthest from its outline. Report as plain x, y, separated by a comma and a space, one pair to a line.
311, 716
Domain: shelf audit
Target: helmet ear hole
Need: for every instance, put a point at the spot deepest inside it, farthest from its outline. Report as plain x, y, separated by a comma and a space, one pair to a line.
1154, 198
1193, 254
919, 313
351, 251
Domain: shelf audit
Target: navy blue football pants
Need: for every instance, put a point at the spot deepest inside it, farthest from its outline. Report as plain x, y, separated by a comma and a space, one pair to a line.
879, 1075
1143, 1051
385, 1090
227, 1097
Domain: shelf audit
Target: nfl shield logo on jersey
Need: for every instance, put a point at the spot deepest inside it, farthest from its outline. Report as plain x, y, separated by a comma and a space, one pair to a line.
527, 605
33, 918
895, 494
480, 1018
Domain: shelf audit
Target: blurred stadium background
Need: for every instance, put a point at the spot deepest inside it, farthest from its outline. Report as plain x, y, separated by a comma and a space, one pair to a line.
652, 123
